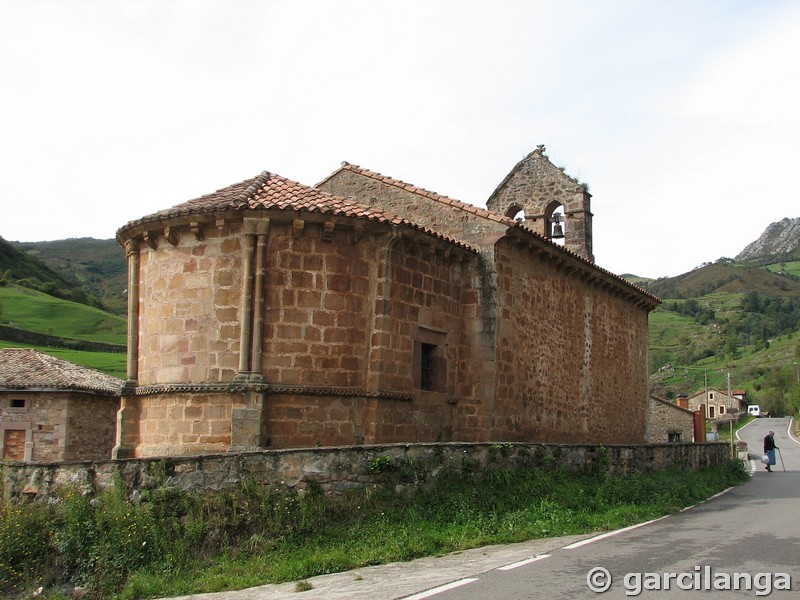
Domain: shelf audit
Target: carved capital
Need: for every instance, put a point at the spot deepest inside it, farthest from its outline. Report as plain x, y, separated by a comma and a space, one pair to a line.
131, 247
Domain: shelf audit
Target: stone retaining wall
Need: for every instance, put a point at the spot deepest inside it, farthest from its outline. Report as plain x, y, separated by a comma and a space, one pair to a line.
337, 469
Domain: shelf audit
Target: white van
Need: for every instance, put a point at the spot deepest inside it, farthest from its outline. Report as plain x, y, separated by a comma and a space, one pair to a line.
754, 410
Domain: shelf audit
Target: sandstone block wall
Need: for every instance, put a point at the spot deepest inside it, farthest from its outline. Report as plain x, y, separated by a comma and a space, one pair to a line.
583, 376
186, 423
444, 215
319, 298
189, 312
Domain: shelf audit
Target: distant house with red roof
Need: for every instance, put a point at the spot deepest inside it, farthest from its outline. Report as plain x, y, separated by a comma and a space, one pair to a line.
52, 410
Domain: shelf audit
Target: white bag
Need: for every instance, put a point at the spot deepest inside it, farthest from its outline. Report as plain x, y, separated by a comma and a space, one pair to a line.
765, 459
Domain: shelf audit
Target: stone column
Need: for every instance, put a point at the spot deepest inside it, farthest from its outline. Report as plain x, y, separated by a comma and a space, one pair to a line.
262, 229
247, 416
382, 291
132, 252
247, 299
127, 430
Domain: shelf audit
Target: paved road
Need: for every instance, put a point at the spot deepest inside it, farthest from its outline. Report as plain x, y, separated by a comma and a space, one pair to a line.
750, 529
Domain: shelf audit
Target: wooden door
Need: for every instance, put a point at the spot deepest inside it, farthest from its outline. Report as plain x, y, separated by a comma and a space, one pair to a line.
14, 444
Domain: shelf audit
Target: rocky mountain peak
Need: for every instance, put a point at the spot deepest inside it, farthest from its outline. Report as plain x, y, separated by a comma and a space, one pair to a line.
779, 239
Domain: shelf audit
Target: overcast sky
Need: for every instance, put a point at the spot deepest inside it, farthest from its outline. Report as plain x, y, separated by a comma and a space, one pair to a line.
683, 116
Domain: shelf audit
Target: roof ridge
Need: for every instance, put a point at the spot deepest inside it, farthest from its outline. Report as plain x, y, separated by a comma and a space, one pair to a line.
485, 212
422, 191
251, 190
270, 190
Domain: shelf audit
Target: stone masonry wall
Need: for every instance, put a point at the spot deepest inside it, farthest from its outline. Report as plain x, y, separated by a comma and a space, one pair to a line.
318, 304
337, 470
330, 325
185, 423
91, 425
61, 425
583, 383
418, 206
189, 312
343, 319
665, 419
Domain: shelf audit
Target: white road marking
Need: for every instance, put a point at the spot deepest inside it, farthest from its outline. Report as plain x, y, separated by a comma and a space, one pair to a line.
442, 588
522, 563
609, 534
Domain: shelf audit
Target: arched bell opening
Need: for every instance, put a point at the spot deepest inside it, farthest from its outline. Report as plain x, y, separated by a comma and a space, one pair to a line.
556, 223
516, 212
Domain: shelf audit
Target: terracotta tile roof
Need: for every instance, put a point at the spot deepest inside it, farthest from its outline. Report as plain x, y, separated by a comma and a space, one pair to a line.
28, 369
271, 191
488, 214
483, 212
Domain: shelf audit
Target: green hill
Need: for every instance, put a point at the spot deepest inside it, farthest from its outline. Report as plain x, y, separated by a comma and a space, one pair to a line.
18, 267
69, 330
96, 266
729, 318
34, 311
725, 276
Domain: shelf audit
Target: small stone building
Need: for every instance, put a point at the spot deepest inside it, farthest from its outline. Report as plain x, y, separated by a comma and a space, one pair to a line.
670, 423
368, 310
717, 402
52, 410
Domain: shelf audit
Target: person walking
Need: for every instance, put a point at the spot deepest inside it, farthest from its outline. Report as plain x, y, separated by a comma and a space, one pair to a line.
769, 449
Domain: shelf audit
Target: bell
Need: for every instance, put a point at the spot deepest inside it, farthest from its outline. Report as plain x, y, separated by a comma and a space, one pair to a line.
558, 231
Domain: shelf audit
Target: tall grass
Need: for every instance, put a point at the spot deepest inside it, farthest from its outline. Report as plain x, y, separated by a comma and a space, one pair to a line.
171, 542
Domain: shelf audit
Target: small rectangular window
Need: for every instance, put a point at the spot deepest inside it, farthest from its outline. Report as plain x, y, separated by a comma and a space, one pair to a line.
710, 395
675, 438
427, 367
429, 362
17, 403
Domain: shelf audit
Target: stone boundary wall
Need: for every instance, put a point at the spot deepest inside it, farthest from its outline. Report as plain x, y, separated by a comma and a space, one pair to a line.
338, 469
13, 334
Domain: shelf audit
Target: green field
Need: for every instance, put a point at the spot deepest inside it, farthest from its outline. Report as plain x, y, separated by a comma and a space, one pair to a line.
28, 309
790, 268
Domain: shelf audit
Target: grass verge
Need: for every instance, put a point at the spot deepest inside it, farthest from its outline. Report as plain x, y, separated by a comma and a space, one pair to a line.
173, 543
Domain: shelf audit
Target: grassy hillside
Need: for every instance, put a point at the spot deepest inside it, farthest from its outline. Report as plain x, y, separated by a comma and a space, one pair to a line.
97, 266
732, 319
724, 276
28, 309
18, 267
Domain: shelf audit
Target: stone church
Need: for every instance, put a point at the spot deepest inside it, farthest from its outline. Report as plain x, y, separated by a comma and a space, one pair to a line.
271, 314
